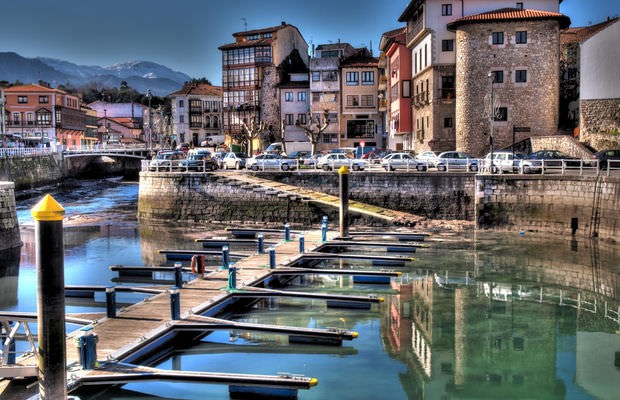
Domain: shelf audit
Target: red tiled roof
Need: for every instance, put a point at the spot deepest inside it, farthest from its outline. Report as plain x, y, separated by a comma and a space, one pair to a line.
583, 33
360, 61
261, 30
247, 43
511, 14
202, 89
31, 88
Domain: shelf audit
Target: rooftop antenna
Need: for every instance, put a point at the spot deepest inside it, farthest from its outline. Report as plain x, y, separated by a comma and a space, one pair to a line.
245, 24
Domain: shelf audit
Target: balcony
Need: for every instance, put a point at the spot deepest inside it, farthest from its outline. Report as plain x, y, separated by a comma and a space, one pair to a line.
421, 99
382, 83
383, 105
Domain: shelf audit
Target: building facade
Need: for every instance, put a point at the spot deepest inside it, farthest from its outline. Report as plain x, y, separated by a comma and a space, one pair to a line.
197, 115
360, 123
398, 77
507, 66
294, 98
250, 77
436, 61
325, 89
42, 116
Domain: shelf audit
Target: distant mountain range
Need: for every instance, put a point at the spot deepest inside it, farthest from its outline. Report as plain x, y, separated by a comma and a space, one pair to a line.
140, 75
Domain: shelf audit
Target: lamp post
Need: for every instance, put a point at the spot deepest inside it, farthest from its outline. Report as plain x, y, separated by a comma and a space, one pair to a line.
149, 96
105, 125
2, 117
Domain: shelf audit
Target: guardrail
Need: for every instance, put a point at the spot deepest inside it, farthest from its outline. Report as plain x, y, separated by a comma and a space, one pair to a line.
19, 152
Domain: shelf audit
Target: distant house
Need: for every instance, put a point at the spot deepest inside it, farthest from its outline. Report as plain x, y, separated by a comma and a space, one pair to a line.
294, 96
42, 116
197, 115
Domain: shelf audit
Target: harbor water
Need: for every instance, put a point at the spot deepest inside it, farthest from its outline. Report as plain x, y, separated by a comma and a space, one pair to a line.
478, 315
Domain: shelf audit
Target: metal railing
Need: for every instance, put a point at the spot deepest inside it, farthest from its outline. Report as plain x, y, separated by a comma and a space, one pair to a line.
19, 152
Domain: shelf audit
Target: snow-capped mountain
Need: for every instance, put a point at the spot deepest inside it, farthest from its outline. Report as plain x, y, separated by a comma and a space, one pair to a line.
140, 75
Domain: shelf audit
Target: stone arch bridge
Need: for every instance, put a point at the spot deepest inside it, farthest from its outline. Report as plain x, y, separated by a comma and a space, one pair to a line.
101, 162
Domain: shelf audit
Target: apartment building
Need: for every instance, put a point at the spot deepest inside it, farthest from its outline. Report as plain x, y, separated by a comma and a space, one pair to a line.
360, 123
294, 97
250, 78
437, 64
42, 116
398, 75
325, 88
197, 115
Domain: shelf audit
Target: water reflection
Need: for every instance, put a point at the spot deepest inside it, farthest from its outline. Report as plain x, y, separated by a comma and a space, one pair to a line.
9, 277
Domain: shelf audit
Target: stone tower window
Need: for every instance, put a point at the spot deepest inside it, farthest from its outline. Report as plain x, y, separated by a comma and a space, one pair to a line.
521, 37
498, 38
521, 76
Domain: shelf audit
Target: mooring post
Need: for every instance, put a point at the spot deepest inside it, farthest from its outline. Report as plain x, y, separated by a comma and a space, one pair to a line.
175, 303
110, 301
52, 372
87, 348
302, 243
287, 232
225, 258
343, 172
272, 258
324, 221
260, 244
324, 232
232, 277
178, 274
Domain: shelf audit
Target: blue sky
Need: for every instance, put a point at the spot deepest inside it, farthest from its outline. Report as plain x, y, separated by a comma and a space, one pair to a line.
185, 34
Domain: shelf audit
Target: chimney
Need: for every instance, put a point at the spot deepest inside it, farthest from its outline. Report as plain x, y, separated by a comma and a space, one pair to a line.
283, 23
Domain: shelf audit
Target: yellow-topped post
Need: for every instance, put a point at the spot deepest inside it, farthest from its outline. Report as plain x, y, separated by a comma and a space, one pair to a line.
48, 215
343, 172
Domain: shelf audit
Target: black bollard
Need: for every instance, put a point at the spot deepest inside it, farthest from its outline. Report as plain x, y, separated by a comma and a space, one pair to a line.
48, 215
225, 257
324, 232
175, 304
287, 232
178, 274
272, 258
302, 243
343, 172
260, 244
110, 302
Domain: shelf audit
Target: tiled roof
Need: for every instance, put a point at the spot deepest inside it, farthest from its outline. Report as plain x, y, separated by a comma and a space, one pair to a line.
247, 43
511, 14
360, 61
583, 33
333, 46
261, 30
32, 88
201, 89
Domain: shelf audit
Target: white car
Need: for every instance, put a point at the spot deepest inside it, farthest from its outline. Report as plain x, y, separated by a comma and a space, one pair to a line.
337, 160
394, 161
234, 160
270, 161
428, 157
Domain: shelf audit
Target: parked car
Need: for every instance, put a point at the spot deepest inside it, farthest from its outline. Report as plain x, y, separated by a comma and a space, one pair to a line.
372, 157
184, 147
270, 161
166, 160
234, 160
304, 158
402, 160
218, 156
428, 157
503, 161
456, 160
337, 160
604, 156
554, 158
199, 160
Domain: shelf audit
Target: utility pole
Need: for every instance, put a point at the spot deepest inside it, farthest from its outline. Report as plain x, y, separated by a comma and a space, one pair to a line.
2, 116
149, 95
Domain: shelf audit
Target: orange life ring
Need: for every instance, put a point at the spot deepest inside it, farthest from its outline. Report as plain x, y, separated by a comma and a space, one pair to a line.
197, 264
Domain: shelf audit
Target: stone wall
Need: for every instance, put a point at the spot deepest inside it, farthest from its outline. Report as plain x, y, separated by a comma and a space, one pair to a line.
30, 172
566, 144
599, 116
533, 104
215, 198
589, 205
9, 227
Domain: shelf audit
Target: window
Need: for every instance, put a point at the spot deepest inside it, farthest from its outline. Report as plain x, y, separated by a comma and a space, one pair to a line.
44, 99
288, 96
289, 119
16, 118
216, 122
368, 100
267, 35
498, 38
498, 76
195, 121
302, 119
316, 76
352, 78
301, 96
521, 76
521, 37
330, 76
446, 9
519, 5
181, 103
368, 78
360, 128
22, 99
353, 101
447, 87
329, 138
447, 45
181, 119
316, 97
501, 114
29, 118
406, 89
447, 122
44, 117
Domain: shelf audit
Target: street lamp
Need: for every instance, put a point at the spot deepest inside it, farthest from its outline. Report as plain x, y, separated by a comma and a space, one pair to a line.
2, 117
149, 96
493, 112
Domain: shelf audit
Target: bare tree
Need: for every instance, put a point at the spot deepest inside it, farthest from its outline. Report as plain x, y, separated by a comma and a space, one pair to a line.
281, 136
314, 127
252, 131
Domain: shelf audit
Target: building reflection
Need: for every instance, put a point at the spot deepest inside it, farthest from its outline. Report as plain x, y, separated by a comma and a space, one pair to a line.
466, 337
9, 274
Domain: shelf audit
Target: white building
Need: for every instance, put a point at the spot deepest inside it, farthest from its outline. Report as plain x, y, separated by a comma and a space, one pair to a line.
197, 115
